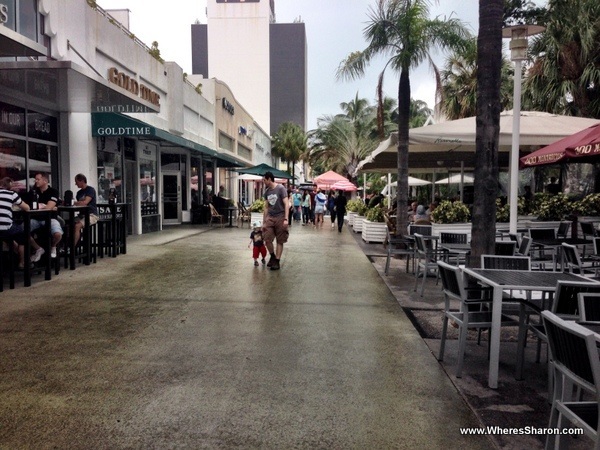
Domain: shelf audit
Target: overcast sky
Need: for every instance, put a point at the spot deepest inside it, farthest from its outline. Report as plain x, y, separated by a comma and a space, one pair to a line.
334, 29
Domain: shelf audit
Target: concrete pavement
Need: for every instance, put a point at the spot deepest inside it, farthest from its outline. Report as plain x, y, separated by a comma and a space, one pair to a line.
183, 343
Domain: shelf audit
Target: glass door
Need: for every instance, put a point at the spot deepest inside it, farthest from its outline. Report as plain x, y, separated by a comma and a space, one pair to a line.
171, 197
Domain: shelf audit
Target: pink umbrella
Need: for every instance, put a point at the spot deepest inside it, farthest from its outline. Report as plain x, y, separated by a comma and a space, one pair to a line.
343, 185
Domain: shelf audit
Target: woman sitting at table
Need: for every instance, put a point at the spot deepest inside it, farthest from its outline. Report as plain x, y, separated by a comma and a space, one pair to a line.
9, 229
420, 218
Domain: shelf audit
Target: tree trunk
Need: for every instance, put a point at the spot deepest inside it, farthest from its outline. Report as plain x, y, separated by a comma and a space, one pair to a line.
403, 120
489, 63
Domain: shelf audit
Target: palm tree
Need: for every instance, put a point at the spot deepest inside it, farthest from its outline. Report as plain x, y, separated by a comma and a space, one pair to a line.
565, 75
289, 143
419, 113
489, 62
340, 143
402, 30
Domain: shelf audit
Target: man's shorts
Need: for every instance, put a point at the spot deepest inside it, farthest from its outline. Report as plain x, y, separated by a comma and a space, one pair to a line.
54, 226
274, 228
93, 219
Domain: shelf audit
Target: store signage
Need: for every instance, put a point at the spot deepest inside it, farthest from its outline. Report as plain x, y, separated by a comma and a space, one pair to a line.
42, 126
227, 106
129, 84
124, 131
3, 14
243, 131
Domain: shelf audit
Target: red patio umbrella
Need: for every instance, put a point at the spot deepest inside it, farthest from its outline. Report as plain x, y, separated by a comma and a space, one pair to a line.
343, 185
582, 146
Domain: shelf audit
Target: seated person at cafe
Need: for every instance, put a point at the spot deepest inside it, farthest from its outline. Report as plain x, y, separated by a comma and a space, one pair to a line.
420, 217
8, 228
47, 199
86, 196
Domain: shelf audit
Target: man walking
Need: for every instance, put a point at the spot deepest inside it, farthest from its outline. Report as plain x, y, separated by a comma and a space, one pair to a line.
275, 223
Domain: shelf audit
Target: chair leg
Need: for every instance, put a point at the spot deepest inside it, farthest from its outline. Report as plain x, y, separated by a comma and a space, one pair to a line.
443, 340
387, 263
462, 344
417, 276
425, 272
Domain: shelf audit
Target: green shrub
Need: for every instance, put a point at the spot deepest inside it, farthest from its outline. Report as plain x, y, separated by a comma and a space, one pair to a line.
258, 205
450, 212
375, 214
354, 205
555, 207
588, 206
502, 212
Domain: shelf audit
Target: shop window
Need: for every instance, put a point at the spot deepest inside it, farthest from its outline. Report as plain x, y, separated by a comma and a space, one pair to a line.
110, 175
12, 163
43, 158
225, 142
245, 152
148, 199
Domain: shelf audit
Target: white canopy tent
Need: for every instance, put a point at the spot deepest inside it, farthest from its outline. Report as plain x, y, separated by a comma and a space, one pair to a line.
451, 144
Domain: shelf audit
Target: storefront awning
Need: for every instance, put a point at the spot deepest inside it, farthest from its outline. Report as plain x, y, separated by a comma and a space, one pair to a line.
224, 160
64, 86
15, 44
112, 124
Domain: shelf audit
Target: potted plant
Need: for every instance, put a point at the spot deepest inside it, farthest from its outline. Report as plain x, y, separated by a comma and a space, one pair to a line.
452, 217
351, 208
361, 210
374, 227
256, 210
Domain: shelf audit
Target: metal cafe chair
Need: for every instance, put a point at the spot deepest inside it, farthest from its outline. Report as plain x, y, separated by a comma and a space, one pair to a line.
589, 307
398, 245
575, 363
470, 315
427, 261
564, 304
505, 248
573, 263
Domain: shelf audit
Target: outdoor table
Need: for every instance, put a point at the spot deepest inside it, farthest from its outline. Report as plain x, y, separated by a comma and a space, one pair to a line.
230, 212
114, 215
555, 245
71, 212
41, 215
500, 280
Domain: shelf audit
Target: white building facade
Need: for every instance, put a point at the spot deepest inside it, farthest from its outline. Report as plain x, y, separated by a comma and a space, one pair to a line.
80, 94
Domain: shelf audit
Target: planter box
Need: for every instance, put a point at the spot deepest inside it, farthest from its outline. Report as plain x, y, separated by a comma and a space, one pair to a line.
437, 228
351, 215
256, 217
358, 223
374, 231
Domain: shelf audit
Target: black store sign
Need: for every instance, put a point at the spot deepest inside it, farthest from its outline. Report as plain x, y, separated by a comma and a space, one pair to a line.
12, 119
39, 126
42, 127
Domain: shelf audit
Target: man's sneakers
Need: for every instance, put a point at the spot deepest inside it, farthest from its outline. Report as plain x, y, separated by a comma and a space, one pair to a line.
53, 252
37, 255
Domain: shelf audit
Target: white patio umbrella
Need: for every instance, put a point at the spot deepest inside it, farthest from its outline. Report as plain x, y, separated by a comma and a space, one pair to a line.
412, 181
456, 179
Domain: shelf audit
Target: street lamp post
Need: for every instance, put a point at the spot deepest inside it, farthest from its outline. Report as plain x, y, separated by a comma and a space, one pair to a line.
518, 35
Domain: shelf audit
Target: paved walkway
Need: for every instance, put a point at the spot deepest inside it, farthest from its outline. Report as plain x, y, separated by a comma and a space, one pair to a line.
183, 343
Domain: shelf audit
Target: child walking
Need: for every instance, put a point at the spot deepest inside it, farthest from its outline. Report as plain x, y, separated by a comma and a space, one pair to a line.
256, 239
